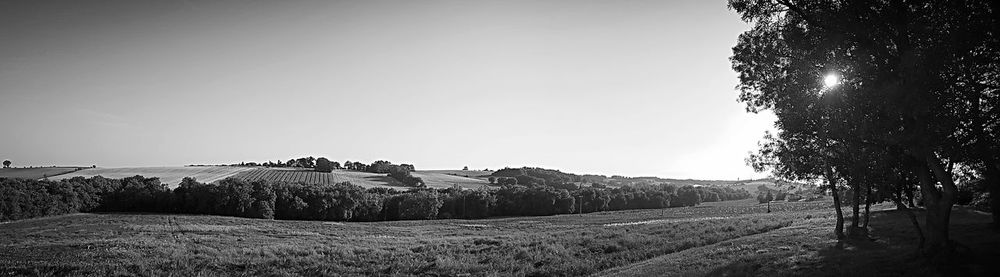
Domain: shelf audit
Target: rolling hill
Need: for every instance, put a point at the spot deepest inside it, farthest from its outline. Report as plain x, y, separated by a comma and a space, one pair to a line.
36, 172
364, 179
168, 175
207, 174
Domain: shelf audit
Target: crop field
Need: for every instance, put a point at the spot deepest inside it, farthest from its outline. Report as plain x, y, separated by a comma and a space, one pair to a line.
309, 176
364, 179
168, 175
36, 172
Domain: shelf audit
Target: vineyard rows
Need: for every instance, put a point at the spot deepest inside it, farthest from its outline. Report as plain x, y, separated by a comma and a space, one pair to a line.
363, 179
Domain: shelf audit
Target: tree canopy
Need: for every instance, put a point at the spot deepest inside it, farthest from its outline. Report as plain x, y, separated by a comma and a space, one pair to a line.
916, 93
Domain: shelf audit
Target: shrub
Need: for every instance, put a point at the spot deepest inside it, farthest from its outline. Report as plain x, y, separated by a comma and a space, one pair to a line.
419, 205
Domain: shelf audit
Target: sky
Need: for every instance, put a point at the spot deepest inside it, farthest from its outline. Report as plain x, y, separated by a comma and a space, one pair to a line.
633, 88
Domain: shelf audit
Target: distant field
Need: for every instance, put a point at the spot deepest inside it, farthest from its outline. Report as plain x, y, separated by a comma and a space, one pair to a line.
463, 173
36, 172
752, 186
364, 179
168, 175
308, 176
435, 179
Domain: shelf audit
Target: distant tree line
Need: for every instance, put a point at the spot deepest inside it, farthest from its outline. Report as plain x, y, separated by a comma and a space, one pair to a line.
23, 198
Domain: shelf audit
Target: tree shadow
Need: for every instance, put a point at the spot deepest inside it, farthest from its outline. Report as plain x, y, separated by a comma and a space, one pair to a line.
389, 181
889, 250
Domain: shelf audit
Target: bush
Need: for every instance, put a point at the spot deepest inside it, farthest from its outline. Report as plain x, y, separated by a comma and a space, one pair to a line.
419, 205
793, 197
403, 175
981, 201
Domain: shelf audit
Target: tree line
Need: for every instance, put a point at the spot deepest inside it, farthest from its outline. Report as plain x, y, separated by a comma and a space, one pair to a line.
24, 198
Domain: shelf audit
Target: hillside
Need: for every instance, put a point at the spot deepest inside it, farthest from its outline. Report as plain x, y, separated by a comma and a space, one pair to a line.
364, 179
36, 172
479, 174
168, 175
433, 178
748, 185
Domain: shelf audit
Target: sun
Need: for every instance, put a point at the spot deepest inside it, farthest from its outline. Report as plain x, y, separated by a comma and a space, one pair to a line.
831, 80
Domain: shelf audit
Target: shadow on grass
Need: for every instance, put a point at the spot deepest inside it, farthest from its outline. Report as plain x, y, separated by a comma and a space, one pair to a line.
890, 251
389, 181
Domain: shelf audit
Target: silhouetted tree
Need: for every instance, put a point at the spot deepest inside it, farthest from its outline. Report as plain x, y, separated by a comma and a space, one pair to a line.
924, 93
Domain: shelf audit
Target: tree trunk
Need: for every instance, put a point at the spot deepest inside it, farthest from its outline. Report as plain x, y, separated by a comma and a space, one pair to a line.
854, 231
992, 177
938, 204
839, 230
868, 206
913, 219
910, 197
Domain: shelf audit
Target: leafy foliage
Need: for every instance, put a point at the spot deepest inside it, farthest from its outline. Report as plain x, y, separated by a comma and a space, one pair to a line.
23, 198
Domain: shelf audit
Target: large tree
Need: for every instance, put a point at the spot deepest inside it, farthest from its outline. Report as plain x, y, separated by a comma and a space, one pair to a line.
911, 75
324, 165
6, 163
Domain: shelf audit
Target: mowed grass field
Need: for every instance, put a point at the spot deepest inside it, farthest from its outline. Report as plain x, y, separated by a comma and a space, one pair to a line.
736, 238
168, 175
442, 180
462, 173
364, 179
36, 172
186, 245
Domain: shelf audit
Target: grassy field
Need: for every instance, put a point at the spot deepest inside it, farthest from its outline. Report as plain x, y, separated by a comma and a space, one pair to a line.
436, 179
364, 179
479, 174
36, 172
735, 238
808, 248
168, 175
102, 244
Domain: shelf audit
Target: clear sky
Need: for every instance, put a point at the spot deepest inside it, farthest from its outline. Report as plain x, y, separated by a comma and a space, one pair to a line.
635, 88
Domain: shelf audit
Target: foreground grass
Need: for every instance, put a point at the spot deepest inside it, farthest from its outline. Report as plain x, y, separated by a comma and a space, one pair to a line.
808, 248
181, 245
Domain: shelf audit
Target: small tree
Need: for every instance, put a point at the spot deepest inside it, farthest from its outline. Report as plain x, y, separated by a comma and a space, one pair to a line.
465, 168
6, 163
493, 180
